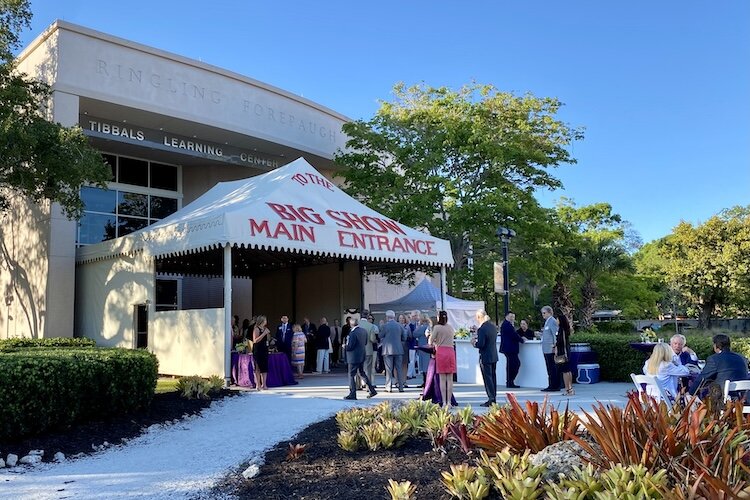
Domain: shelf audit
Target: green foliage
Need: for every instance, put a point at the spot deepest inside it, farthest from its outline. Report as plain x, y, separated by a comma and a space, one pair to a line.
403, 490
41, 160
511, 474
614, 327
196, 387
474, 155
709, 263
20, 343
43, 389
379, 426
466, 482
680, 443
436, 426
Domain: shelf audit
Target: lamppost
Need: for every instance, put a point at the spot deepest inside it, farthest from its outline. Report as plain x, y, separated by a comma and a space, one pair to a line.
505, 235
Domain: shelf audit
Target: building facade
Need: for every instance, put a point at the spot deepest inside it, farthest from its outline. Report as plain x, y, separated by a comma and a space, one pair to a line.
170, 128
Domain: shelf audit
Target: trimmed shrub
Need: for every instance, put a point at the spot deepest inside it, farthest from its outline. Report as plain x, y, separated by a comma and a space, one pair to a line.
20, 343
615, 327
42, 389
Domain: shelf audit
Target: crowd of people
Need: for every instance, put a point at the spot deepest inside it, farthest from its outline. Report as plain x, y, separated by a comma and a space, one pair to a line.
404, 348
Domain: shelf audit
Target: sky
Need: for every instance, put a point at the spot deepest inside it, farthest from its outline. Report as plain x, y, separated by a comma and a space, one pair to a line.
662, 89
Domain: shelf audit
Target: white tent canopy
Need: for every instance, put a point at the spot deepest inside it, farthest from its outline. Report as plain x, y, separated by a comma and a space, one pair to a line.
426, 297
291, 216
293, 209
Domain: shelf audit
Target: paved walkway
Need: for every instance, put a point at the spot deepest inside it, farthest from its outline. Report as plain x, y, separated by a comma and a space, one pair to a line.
185, 459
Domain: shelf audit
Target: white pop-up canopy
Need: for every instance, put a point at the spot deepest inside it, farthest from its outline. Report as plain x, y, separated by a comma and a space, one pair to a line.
426, 297
292, 209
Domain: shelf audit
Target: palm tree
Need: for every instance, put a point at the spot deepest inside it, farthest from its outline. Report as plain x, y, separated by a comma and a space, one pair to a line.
595, 257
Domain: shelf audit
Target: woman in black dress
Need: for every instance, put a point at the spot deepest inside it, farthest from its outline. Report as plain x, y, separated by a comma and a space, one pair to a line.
563, 347
260, 352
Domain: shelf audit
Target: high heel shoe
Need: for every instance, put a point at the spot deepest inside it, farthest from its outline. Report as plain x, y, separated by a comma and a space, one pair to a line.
569, 392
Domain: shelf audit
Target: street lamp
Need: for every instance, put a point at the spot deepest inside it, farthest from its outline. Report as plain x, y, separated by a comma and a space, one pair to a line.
505, 235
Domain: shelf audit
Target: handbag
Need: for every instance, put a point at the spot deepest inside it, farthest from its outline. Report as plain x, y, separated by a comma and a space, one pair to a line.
561, 359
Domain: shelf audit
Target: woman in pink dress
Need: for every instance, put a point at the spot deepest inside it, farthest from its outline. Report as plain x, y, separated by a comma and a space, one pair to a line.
442, 338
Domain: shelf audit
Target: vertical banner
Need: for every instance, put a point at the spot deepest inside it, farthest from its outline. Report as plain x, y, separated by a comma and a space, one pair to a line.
499, 281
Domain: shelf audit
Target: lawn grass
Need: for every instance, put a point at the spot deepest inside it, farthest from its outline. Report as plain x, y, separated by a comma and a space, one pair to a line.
166, 385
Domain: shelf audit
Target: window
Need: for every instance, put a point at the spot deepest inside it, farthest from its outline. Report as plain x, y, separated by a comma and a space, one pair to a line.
132, 171
110, 213
166, 294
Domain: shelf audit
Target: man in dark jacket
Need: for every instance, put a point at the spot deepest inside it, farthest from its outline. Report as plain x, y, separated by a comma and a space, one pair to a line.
722, 366
485, 342
355, 357
509, 342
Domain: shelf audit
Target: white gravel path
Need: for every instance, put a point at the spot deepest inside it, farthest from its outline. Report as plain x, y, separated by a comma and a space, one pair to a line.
176, 461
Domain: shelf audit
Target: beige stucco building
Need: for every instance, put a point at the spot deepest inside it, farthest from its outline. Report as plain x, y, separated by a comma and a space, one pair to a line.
170, 128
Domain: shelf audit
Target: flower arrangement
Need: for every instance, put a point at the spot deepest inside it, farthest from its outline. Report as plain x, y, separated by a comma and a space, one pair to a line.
463, 333
648, 335
244, 347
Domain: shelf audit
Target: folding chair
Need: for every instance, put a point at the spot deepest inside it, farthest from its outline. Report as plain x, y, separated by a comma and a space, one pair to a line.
649, 385
738, 385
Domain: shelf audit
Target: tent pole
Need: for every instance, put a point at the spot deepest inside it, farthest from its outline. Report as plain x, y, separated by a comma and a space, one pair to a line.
443, 288
227, 314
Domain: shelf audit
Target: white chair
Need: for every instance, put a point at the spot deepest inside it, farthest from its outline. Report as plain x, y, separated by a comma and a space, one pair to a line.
737, 385
649, 385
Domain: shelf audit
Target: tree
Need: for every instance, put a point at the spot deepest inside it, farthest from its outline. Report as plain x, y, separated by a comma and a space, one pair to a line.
594, 243
457, 163
38, 159
710, 262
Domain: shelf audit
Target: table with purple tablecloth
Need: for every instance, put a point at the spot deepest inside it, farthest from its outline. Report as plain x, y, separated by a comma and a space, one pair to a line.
279, 370
431, 390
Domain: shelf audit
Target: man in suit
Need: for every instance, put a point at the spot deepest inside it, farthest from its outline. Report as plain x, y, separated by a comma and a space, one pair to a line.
722, 366
284, 335
411, 344
355, 357
485, 342
311, 353
370, 349
335, 342
683, 355
392, 336
509, 342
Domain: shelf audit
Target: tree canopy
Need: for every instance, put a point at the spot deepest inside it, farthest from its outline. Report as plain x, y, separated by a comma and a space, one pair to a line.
39, 159
458, 163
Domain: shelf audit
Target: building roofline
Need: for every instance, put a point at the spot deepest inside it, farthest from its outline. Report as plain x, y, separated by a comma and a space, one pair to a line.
75, 28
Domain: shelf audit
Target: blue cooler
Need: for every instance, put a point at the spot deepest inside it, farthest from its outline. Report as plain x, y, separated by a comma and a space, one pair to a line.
588, 373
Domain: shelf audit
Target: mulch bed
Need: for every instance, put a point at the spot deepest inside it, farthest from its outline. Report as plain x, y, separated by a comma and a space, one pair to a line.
325, 471
81, 437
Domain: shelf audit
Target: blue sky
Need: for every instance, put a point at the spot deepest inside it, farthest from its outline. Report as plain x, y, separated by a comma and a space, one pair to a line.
662, 88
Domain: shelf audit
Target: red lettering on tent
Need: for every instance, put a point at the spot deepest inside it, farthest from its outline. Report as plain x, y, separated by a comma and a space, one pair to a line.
398, 245
393, 226
281, 211
334, 214
256, 228
411, 245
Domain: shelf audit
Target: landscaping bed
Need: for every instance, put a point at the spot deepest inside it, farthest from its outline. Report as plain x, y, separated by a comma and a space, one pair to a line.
325, 471
83, 437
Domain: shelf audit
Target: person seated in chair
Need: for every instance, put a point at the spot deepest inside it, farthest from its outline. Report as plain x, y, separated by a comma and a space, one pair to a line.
722, 366
683, 355
666, 371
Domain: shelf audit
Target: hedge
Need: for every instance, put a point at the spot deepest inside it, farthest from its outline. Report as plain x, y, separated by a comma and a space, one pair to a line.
617, 360
42, 389
18, 343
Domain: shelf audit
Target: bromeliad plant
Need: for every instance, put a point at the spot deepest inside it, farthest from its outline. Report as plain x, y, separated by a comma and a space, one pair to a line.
403, 490
702, 453
533, 428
